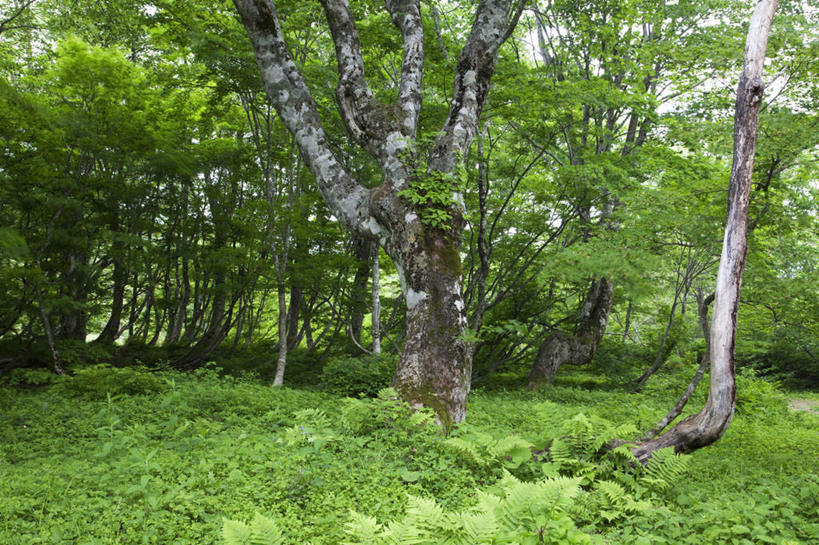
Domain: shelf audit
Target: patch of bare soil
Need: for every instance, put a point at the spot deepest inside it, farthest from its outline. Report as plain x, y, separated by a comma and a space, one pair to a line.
808, 405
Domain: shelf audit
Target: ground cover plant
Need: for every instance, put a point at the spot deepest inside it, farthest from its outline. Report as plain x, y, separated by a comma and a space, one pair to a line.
130, 455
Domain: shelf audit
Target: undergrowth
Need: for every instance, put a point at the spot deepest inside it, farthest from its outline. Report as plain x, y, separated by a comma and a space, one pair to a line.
126, 455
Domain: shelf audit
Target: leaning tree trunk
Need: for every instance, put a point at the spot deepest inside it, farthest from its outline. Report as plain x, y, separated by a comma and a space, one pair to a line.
710, 423
577, 349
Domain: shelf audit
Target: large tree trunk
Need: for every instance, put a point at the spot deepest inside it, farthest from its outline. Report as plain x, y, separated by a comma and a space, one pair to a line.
73, 320
293, 312
577, 349
710, 423
436, 365
110, 332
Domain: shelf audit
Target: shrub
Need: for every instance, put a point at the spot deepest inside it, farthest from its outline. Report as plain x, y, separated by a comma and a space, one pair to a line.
30, 377
352, 377
758, 397
101, 380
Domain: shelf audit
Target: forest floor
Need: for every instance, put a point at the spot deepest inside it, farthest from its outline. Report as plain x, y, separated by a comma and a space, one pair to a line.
128, 456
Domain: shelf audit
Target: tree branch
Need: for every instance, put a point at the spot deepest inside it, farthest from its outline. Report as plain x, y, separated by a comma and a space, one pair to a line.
4, 23
476, 64
406, 14
353, 93
289, 94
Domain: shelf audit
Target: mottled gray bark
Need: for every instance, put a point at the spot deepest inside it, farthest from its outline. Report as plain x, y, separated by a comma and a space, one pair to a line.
435, 367
708, 425
560, 349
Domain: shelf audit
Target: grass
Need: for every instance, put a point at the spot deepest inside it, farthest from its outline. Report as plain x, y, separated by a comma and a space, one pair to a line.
128, 456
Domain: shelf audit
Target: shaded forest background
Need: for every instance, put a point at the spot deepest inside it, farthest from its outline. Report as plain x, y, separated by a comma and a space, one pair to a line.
155, 209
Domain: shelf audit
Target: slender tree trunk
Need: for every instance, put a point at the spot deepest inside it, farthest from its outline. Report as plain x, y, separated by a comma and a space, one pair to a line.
376, 301
483, 250
628, 320
281, 361
358, 304
708, 425
560, 348
49, 333
658, 357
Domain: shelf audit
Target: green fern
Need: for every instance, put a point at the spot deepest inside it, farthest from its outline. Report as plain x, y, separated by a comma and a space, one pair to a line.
260, 531
484, 450
665, 468
583, 450
517, 512
363, 527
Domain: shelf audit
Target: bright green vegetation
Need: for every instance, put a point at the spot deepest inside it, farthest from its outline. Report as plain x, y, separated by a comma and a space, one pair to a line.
131, 456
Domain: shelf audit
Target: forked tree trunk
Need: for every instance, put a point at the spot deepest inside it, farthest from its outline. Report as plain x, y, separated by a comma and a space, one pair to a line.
710, 423
435, 366
560, 349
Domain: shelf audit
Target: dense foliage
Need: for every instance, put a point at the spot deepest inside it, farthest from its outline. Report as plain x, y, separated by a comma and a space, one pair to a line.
151, 195
166, 253
127, 455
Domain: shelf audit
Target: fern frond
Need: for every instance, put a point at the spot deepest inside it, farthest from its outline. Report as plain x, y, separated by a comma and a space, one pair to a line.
425, 513
264, 531
480, 527
235, 532
363, 528
403, 533
665, 468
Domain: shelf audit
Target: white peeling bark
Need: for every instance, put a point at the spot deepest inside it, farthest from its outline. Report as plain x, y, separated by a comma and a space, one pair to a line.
281, 361
710, 423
